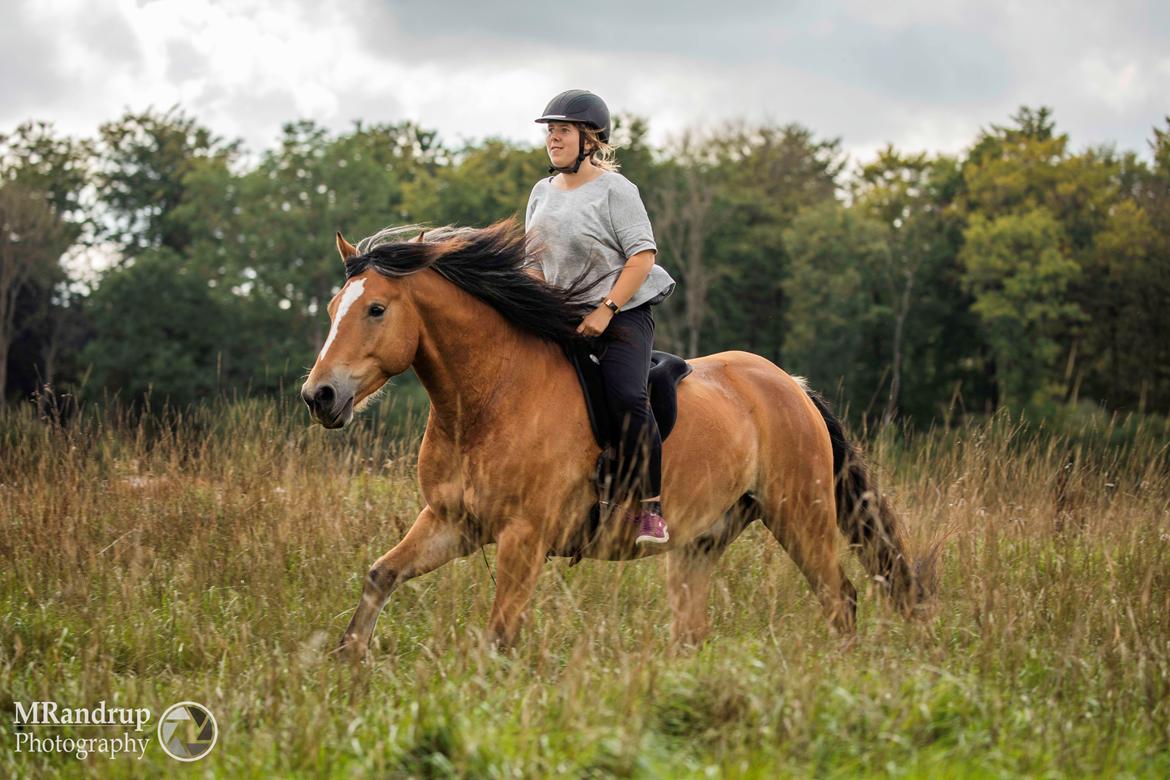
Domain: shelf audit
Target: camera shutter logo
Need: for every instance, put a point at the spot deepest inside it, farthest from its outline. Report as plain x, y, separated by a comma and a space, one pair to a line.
187, 731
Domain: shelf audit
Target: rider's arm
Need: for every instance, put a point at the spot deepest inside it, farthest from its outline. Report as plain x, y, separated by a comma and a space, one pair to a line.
636, 270
632, 232
533, 266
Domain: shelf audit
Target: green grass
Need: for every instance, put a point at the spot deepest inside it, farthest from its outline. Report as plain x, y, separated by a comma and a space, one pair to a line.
216, 556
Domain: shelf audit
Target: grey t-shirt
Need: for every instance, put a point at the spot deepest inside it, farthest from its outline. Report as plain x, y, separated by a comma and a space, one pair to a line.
596, 226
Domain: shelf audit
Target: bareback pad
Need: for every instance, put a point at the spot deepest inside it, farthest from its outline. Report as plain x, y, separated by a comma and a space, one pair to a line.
666, 371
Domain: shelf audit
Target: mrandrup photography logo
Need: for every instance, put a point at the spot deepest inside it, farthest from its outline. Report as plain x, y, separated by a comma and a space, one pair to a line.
187, 731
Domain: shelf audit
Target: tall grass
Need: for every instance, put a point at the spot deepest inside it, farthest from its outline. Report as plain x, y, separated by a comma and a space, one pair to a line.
216, 554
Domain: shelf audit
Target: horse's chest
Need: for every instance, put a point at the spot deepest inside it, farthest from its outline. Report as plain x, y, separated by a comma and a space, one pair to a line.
474, 484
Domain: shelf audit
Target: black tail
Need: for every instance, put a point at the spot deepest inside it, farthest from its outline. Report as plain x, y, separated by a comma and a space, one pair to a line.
868, 520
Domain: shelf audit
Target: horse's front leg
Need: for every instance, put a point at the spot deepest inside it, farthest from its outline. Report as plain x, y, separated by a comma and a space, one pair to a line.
521, 554
430, 542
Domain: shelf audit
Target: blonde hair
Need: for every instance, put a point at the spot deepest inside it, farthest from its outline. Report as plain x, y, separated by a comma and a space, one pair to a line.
604, 155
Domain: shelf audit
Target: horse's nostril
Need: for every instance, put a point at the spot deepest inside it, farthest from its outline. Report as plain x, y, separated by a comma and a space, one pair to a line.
321, 399
325, 396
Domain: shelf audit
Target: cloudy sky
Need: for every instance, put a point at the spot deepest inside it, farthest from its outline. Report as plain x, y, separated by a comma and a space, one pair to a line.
923, 74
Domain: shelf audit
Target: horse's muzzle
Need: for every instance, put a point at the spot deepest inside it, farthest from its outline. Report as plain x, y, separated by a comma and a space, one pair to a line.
327, 406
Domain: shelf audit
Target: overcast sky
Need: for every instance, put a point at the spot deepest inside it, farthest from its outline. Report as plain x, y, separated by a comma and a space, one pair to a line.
923, 74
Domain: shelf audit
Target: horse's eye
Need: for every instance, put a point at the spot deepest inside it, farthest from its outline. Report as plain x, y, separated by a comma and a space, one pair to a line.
377, 310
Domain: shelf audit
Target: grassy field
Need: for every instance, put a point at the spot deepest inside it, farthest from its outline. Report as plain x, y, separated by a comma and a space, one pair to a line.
218, 558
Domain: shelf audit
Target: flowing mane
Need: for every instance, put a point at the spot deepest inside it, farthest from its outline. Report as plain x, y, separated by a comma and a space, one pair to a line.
490, 263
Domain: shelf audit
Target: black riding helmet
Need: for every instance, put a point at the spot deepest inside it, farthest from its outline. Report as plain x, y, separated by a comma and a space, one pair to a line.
580, 107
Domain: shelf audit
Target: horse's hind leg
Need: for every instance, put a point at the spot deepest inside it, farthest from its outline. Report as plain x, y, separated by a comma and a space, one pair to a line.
689, 584
689, 570
806, 527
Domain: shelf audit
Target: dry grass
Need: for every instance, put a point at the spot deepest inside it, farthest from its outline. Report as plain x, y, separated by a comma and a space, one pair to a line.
216, 558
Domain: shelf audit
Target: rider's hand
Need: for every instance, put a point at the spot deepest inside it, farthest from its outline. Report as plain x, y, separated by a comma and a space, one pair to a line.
596, 321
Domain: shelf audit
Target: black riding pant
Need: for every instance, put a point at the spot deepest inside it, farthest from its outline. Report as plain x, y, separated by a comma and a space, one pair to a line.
625, 366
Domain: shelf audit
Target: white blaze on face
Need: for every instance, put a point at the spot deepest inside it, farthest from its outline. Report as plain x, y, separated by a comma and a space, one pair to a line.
352, 292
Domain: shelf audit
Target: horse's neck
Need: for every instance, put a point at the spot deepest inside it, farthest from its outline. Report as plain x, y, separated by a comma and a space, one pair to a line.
467, 354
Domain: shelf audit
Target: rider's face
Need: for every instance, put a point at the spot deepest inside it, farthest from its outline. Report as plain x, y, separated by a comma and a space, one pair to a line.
563, 142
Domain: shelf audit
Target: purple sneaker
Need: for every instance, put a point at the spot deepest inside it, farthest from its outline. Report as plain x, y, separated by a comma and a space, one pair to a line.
651, 527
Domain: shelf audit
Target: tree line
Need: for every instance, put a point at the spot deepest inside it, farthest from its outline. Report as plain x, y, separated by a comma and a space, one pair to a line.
1020, 273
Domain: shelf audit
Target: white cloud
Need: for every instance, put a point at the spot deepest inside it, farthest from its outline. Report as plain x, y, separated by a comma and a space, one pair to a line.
1117, 82
918, 73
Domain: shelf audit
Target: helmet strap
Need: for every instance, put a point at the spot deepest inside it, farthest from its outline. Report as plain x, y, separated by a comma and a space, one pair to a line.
581, 155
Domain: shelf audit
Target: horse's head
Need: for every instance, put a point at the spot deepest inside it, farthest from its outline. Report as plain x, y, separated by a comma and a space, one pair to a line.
373, 335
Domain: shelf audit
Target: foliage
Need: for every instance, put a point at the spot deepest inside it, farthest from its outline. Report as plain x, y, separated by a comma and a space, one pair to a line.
1019, 276
143, 164
44, 180
769, 174
1021, 272
837, 257
158, 329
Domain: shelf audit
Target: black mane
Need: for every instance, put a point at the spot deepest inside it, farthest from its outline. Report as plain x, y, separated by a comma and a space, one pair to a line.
490, 264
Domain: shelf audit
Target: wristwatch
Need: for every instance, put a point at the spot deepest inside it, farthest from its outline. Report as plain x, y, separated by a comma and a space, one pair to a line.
612, 306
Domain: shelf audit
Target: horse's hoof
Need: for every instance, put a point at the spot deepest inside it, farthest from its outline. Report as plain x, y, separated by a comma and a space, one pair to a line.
686, 646
848, 642
349, 649
497, 645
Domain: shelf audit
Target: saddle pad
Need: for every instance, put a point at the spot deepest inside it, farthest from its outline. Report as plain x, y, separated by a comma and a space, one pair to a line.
666, 371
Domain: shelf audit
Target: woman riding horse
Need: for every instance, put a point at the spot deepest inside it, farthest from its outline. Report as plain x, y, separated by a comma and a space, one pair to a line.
590, 224
508, 454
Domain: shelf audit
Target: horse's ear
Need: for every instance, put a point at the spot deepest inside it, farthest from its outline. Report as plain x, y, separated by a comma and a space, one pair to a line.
419, 238
344, 248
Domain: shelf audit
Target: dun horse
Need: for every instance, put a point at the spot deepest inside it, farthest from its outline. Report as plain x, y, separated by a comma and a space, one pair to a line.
508, 455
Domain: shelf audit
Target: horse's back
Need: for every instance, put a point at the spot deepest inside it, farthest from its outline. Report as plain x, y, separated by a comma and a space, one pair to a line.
748, 381
738, 415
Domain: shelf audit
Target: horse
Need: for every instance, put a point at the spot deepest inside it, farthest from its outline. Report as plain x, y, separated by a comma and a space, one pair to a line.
507, 456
